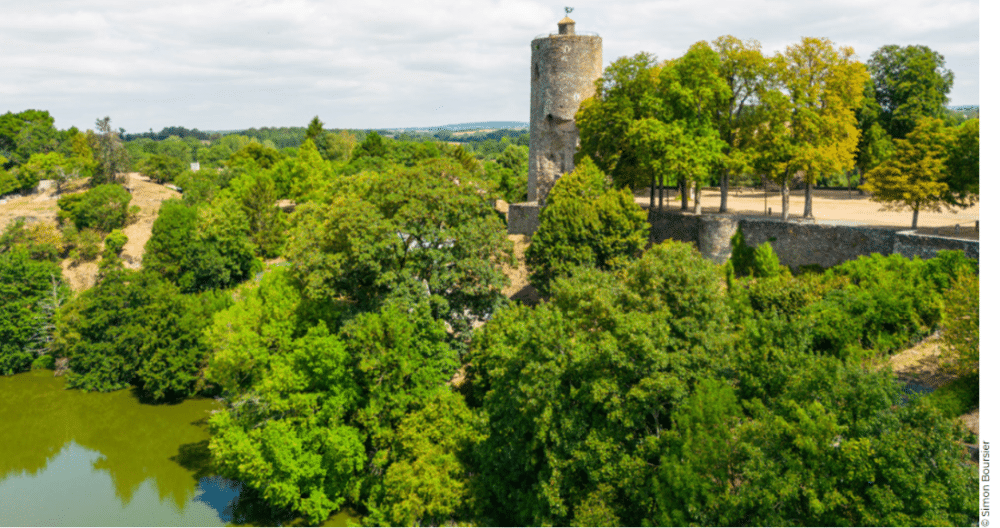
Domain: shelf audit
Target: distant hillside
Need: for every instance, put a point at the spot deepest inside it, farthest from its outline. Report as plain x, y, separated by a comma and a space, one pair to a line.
468, 126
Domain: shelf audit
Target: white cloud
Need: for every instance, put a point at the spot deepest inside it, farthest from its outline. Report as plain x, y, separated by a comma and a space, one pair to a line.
225, 64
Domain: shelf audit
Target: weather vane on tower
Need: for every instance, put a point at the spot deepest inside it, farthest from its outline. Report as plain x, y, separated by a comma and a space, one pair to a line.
568, 10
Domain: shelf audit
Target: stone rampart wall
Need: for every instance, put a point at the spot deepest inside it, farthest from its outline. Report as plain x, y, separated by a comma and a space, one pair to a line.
797, 244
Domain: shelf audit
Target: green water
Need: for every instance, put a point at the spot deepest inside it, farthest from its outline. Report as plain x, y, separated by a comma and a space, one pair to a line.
70, 458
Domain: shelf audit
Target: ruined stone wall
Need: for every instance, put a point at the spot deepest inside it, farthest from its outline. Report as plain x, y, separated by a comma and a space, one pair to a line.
797, 244
563, 71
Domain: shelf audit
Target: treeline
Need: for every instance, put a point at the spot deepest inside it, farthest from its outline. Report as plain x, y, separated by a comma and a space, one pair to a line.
380, 367
812, 113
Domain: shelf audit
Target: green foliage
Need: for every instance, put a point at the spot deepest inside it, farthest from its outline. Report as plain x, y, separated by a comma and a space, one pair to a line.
26, 287
963, 165
311, 415
46, 362
104, 207
759, 261
416, 233
114, 243
42, 240
765, 262
742, 255
429, 483
163, 168
26, 133
915, 178
134, 328
585, 224
201, 248
579, 391
909, 83
84, 246
109, 154
956, 397
267, 223
960, 324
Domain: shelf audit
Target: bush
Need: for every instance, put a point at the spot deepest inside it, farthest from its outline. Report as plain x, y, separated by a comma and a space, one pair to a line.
960, 324
585, 223
114, 243
103, 208
42, 241
956, 397
201, 248
83, 246
760, 261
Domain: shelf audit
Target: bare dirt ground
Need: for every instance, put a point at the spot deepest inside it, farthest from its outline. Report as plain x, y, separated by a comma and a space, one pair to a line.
835, 207
922, 364
42, 207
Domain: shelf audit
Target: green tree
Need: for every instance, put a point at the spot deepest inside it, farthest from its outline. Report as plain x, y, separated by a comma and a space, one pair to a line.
104, 207
133, 328
910, 83
25, 286
162, 168
26, 133
915, 178
580, 390
826, 86
963, 165
109, 153
585, 224
874, 144
741, 66
960, 324
420, 232
626, 92
201, 248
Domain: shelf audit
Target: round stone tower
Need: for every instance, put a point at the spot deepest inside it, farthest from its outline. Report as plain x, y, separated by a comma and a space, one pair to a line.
564, 67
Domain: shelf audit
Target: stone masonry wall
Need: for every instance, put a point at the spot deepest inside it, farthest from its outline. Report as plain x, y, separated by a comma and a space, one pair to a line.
797, 244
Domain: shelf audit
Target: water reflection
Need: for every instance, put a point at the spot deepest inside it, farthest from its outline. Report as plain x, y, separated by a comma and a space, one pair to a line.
90, 459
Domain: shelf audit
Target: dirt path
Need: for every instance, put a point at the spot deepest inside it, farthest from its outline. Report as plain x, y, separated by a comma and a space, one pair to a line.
837, 207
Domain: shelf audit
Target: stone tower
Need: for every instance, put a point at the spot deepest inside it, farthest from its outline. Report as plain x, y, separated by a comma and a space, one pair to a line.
564, 67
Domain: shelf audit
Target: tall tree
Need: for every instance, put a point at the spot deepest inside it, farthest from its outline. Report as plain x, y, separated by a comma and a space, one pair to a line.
692, 91
626, 92
110, 154
768, 133
741, 66
875, 144
825, 86
963, 165
915, 178
910, 82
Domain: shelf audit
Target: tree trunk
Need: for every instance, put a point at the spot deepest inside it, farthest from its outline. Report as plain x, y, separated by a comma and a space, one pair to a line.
684, 194
661, 192
652, 191
916, 211
697, 198
784, 199
723, 191
807, 212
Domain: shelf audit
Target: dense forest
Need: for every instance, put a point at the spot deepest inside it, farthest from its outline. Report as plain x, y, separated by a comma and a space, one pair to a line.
366, 357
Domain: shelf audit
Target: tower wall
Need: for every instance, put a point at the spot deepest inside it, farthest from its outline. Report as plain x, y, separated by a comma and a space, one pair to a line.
563, 70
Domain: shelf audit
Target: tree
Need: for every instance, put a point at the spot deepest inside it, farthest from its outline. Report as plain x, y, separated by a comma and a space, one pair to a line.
914, 179
741, 66
109, 153
103, 207
162, 168
585, 223
910, 83
960, 324
625, 93
579, 391
874, 144
963, 165
420, 232
25, 285
201, 248
825, 86
769, 134
133, 328
26, 133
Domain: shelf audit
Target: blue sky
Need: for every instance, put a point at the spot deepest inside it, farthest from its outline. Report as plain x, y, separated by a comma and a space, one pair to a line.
222, 65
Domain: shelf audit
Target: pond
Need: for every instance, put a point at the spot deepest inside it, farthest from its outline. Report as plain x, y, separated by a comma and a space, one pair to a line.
71, 458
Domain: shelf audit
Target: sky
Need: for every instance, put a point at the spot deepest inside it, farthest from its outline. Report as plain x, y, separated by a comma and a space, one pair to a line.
227, 65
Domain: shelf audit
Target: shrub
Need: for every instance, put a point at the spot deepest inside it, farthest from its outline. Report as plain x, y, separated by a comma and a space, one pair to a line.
960, 324
585, 223
114, 243
42, 240
956, 397
103, 208
28, 298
